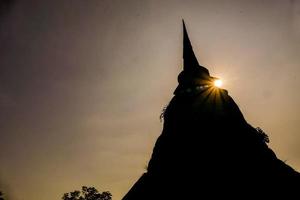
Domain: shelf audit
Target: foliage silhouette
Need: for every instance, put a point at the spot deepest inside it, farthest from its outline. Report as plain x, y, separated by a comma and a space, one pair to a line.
264, 136
87, 193
1, 196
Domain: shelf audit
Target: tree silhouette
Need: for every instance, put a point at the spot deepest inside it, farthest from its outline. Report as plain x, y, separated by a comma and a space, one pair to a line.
1, 196
87, 193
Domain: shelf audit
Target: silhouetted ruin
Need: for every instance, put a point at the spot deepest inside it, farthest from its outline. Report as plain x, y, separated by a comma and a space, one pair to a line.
207, 150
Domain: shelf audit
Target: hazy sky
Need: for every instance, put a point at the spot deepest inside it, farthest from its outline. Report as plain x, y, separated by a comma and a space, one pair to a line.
82, 83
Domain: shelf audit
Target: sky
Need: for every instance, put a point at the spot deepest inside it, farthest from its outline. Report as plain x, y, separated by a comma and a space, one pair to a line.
83, 83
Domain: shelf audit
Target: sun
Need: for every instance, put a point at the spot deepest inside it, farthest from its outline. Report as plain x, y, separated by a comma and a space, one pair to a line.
218, 83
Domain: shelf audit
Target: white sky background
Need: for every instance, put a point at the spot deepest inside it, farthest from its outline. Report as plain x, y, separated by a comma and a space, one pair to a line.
82, 84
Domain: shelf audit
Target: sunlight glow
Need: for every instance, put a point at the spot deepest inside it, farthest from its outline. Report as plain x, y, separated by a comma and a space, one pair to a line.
218, 83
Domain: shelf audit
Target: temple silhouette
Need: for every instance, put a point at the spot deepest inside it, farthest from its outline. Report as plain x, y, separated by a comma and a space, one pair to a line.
207, 150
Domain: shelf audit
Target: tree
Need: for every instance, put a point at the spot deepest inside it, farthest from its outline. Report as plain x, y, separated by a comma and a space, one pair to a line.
1, 196
87, 193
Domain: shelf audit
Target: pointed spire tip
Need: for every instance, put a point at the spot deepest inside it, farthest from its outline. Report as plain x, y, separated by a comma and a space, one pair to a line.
189, 58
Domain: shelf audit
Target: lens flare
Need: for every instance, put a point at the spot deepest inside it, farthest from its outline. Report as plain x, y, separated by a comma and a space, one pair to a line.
218, 83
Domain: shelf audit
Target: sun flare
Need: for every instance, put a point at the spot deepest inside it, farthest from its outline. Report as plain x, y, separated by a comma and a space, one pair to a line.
218, 83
